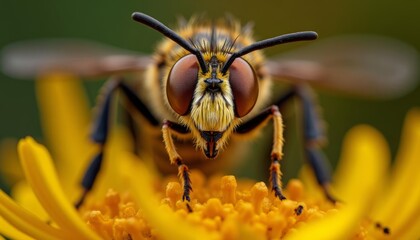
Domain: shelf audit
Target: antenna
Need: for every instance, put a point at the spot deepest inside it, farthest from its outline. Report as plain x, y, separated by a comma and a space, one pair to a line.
160, 27
286, 38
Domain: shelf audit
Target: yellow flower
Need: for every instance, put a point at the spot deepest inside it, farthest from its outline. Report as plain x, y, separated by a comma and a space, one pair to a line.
130, 201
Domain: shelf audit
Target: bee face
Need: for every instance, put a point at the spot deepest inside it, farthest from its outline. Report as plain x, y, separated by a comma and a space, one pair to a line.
208, 101
212, 107
211, 103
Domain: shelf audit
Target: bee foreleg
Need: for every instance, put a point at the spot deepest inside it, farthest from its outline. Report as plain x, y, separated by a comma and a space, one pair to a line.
183, 172
276, 152
184, 176
314, 135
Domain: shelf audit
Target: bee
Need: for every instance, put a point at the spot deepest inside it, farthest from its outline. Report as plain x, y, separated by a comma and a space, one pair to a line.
209, 84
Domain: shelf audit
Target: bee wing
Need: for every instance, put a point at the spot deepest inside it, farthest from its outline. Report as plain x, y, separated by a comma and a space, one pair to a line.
368, 66
29, 59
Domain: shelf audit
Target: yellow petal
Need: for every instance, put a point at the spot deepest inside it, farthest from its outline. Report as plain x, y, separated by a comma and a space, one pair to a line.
366, 150
11, 232
40, 173
65, 119
365, 153
412, 231
166, 223
25, 221
114, 169
312, 187
25, 197
400, 206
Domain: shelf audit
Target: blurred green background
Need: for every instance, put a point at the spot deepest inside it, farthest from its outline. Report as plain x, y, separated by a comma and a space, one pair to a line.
109, 22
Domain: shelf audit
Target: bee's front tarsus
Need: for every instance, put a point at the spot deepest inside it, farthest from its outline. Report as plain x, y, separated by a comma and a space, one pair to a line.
275, 180
184, 176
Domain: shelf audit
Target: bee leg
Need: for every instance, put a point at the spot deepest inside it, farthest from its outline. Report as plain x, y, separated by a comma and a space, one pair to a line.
184, 176
276, 153
314, 139
101, 128
314, 136
183, 172
99, 135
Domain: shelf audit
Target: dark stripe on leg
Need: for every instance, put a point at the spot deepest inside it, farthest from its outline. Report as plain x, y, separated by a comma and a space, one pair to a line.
184, 176
275, 179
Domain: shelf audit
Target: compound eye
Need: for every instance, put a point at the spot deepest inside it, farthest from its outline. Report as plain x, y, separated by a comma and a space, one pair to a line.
244, 85
181, 83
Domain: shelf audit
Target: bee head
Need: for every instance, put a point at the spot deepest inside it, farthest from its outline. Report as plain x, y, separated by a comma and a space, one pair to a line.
186, 71
212, 93
211, 103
